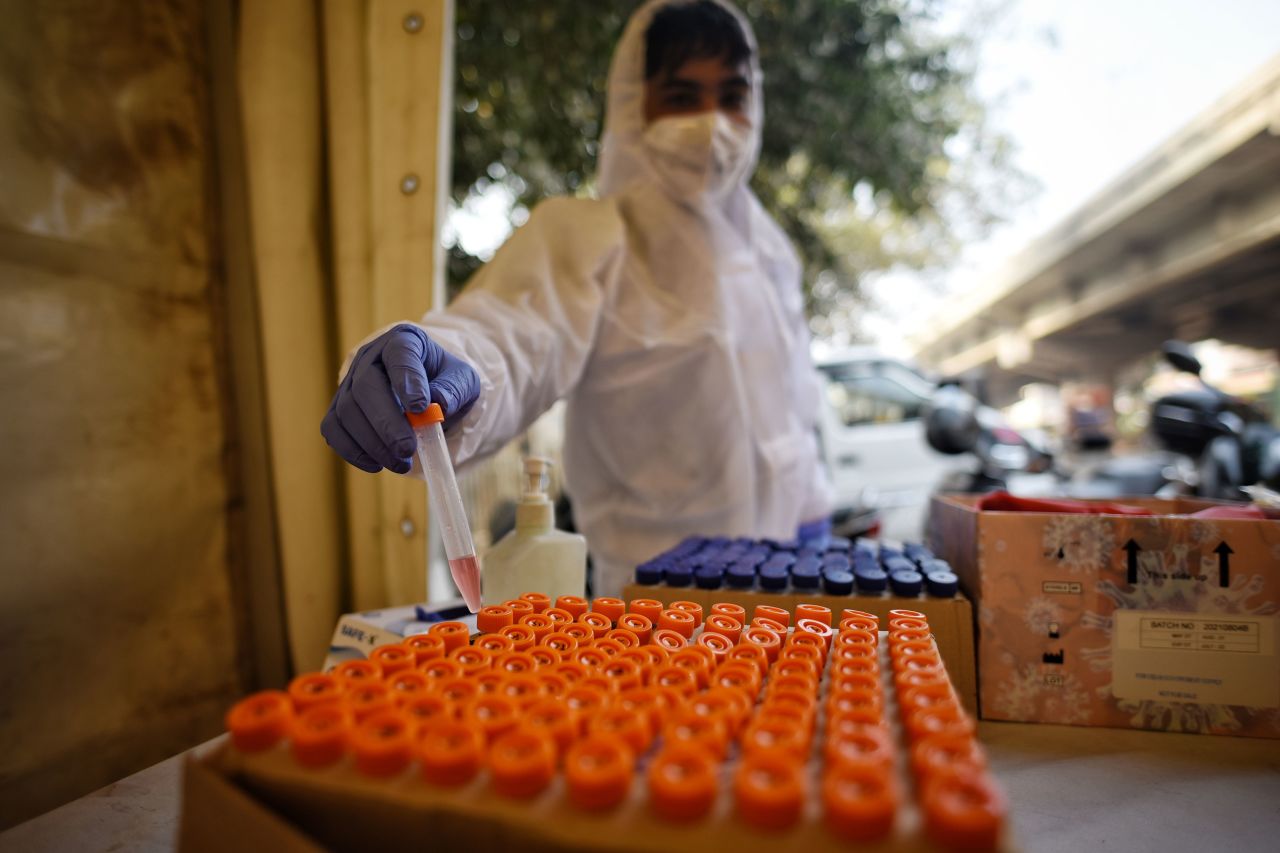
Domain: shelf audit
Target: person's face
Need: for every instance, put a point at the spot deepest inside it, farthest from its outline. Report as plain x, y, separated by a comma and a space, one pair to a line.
699, 86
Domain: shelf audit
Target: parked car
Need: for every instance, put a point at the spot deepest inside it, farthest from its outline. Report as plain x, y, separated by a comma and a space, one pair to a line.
872, 436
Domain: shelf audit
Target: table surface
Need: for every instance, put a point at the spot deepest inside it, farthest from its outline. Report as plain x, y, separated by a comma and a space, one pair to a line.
1070, 789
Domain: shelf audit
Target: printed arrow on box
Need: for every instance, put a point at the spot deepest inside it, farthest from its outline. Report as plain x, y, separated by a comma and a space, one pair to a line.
1224, 563
1133, 548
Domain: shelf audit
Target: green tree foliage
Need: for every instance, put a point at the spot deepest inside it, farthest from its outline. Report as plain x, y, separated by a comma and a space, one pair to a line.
873, 149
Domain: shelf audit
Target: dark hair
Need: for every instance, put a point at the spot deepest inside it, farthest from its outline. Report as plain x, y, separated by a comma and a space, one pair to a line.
696, 30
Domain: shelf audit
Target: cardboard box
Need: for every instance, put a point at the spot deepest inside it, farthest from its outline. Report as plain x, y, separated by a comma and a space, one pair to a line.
1160, 622
950, 619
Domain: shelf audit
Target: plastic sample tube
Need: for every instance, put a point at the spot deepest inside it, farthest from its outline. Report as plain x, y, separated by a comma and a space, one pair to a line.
446, 503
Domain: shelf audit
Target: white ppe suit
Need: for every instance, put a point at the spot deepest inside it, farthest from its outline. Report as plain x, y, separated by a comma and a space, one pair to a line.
675, 331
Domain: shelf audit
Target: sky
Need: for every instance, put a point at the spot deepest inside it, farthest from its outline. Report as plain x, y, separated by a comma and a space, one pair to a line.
1085, 89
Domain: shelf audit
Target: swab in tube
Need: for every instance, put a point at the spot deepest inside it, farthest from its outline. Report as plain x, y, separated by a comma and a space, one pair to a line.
446, 503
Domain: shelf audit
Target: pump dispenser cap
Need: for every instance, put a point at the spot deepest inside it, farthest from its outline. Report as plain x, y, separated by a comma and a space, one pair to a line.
535, 510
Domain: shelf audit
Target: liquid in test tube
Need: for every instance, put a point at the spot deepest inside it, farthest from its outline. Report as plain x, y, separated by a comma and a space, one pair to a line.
446, 503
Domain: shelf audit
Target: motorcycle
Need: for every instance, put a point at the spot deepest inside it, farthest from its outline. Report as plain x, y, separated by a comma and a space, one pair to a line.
1231, 441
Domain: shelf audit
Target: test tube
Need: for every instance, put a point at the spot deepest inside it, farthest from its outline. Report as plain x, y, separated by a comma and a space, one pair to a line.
446, 503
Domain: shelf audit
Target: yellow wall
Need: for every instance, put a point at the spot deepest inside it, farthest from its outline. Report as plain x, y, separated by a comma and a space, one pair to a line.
118, 644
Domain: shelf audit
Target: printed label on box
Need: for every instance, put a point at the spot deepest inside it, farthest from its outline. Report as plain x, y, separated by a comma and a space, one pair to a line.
1183, 657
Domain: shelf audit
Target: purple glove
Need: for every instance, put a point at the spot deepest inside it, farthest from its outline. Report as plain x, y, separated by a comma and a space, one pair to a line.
400, 370
816, 532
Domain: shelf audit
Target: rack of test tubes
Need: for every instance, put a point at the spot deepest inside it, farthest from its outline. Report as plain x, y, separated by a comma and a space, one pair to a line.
699, 729
834, 566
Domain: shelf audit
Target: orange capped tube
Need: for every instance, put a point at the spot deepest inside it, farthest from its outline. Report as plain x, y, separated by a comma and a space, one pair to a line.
366, 700
938, 752
495, 644
692, 659
768, 611
521, 636
522, 688
460, 689
518, 607
719, 644
454, 634
553, 717
610, 608
814, 611
622, 725
740, 676
963, 809
545, 656
561, 642
857, 623
724, 625
314, 688
849, 742
575, 604
319, 735
850, 613
944, 719
609, 648
472, 660
675, 677
769, 625
522, 763
426, 708
597, 772
907, 614
638, 624
383, 744
392, 658
597, 622
513, 663
258, 722
708, 730
354, 672
585, 700
558, 616
539, 600
646, 702
625, 673
627, 639
405, 685
495, 617
749, 653
775, 733
769, 789
539, 624
672, 641
425, 647
493, 714
735, 611
450, 753
767, 640
682, 781
693, 608
859, 801
440, 668
680, 621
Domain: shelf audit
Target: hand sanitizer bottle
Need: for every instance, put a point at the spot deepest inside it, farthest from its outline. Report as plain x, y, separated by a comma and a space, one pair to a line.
535, 557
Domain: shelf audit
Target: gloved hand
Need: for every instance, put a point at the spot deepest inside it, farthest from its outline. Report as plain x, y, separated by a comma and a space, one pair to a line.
815, 532
400, 370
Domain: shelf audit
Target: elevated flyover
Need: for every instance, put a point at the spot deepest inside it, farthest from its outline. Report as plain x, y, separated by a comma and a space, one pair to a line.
1186, 243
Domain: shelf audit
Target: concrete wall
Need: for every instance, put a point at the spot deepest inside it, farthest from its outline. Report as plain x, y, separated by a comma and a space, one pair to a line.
118, 628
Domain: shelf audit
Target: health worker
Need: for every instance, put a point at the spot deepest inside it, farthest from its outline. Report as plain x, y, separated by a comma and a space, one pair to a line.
667, 313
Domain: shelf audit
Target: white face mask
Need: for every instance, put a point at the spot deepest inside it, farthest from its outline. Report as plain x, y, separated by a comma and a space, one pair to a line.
705, 154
